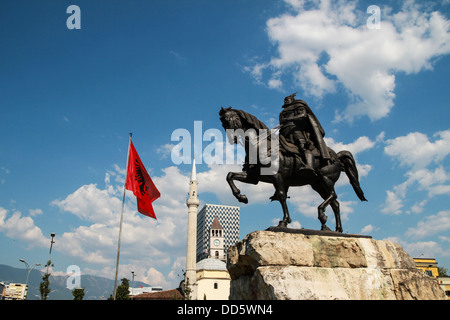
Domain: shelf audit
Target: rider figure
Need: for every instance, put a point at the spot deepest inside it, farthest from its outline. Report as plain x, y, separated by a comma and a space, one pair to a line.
300, 126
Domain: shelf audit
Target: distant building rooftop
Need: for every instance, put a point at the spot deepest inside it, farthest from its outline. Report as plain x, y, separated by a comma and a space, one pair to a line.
172, 294
428, 266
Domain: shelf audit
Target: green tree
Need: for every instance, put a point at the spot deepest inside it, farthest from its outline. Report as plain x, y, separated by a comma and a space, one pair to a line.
442, 272
123, 291
78, 293
187, 290
44, 286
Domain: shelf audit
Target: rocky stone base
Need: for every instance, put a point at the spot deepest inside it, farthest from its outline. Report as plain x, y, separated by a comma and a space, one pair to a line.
269, 265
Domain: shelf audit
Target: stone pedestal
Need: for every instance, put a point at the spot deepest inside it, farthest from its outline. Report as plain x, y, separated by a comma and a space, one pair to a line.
270, 265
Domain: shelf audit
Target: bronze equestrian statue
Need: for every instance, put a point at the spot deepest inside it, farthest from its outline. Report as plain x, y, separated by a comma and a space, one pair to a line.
299, 152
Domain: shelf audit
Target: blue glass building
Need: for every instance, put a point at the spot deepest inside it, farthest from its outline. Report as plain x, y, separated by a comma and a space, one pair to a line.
228, 217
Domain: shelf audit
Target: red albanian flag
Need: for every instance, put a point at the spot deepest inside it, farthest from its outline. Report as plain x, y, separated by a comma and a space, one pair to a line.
141, 184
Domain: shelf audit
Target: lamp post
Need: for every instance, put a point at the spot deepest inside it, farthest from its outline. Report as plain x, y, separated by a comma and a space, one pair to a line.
50, 253
132, 285
29, 269
44, 286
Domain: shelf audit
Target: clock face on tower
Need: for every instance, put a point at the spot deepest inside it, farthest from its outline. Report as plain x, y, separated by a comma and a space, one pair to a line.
216, 242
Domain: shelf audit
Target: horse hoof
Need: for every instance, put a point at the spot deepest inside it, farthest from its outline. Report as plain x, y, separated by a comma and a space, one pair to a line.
339, 230
282, 224
325, 228
243, 198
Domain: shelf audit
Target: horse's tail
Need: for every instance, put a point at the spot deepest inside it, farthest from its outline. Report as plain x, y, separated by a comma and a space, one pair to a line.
349, 165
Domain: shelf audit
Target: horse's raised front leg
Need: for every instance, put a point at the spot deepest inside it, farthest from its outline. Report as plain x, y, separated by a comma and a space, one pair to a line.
240, 176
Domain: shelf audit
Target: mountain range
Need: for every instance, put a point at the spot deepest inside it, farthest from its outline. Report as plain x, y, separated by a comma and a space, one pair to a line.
95, 288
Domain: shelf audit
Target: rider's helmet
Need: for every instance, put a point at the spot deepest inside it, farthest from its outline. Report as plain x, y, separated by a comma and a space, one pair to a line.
289, 100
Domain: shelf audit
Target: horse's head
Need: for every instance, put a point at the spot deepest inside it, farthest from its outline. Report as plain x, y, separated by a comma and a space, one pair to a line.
231, 120
238, 121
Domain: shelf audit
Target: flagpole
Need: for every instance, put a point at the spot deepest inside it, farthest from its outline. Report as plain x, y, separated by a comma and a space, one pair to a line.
121, 219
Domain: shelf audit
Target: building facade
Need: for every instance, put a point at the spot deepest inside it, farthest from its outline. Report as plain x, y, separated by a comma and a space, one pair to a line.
140, 290
213, 280
15, 291
428, 266
444, 283
228, 217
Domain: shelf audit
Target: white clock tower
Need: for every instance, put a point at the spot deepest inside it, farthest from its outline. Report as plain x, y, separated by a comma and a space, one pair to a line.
216, 241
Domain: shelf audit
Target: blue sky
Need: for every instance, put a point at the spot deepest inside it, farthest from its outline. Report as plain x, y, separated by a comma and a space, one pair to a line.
69, 98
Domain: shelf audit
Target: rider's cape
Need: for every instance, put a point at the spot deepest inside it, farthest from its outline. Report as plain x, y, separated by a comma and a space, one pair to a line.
318, 132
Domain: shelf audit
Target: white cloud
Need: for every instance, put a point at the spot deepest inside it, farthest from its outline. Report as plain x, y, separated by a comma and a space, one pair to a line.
155, 277
439, 190
393, 203
417, 151
23, 228
418, 207
432, 225
92, 204
165, 150
293, 225
326, 44
367, 229
178, 265
361, 144
425, 180
93, 244
35, 212
275, 83
421, 248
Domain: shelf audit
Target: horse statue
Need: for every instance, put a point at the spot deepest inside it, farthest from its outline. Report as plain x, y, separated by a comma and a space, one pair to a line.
290, 169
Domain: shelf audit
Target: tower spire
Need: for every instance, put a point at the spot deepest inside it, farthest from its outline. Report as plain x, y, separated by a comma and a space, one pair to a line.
191, 249
194, 171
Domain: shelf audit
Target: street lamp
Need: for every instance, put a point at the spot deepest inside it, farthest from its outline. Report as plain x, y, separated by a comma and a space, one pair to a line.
132, 285
28, 269
50, 253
